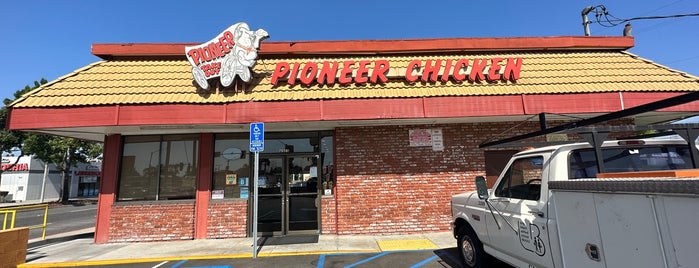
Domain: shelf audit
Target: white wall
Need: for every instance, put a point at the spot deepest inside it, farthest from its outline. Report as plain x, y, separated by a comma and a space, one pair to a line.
25, 185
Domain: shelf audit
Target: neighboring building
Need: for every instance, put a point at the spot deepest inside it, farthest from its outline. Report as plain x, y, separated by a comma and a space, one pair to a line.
23, 181
360, 137
85, 179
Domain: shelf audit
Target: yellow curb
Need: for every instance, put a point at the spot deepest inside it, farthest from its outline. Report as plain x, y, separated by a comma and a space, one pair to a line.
408, 244
207, 257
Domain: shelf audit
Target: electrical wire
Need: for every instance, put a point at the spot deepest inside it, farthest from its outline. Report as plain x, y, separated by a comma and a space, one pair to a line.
605, 19
638, 30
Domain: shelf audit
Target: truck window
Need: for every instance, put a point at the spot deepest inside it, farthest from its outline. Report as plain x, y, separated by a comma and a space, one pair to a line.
583, 164
495, 162
522, 180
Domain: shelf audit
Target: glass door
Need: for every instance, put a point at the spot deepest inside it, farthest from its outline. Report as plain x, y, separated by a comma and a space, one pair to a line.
302, 194
270, 182
288, 193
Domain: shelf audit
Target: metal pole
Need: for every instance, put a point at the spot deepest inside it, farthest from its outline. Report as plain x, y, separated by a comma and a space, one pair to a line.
254, 205
586, 22
43, 182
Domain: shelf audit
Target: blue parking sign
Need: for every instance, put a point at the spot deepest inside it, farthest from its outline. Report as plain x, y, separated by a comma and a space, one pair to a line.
257, 137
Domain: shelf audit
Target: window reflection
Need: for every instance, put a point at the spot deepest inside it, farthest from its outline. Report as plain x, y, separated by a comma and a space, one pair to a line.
232, 160
231, 178
158, 168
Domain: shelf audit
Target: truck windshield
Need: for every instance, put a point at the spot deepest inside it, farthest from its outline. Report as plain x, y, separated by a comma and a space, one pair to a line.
583, 163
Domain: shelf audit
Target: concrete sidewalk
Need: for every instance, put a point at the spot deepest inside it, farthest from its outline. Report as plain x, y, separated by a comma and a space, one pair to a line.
79, 249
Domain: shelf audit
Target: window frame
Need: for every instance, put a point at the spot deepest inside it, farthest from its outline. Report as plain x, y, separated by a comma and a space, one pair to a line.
529, 190
190, 172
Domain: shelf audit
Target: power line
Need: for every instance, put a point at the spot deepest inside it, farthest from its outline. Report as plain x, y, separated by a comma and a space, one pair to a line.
662, 7
685, 59
662, 17
605, 19
650, 12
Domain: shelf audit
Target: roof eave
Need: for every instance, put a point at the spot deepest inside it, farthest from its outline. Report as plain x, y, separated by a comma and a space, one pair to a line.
346, 47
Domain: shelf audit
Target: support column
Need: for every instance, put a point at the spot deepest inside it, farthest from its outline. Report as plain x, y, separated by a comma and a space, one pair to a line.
204, 177
108, 186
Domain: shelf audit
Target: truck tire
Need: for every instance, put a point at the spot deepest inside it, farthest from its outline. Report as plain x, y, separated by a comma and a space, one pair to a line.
470, 248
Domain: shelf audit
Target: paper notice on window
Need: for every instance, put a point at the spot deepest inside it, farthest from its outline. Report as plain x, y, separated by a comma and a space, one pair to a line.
217, 194
313, 171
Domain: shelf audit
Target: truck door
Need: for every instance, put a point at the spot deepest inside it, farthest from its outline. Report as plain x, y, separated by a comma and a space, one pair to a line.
518, 197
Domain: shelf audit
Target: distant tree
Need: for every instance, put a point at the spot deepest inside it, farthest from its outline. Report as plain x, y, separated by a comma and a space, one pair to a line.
61, 151
65, 153
11, 139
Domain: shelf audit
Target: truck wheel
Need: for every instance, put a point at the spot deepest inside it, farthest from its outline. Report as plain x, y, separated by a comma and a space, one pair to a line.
470, 248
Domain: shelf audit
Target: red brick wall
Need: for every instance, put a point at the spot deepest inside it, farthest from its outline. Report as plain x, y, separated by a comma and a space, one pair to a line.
152, 222
384, 186
328, 222
227, 219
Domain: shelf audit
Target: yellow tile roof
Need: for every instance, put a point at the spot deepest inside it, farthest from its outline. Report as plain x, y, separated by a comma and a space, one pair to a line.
152, 81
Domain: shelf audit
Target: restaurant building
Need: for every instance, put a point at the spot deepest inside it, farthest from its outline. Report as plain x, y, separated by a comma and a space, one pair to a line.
361, 137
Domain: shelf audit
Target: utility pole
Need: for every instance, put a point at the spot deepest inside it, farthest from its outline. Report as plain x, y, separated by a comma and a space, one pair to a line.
586, 22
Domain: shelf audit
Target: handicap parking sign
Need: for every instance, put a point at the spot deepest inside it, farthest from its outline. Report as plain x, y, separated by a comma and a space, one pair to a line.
257, 137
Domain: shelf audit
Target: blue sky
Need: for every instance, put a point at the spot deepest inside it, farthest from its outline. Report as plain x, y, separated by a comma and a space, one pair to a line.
52, 38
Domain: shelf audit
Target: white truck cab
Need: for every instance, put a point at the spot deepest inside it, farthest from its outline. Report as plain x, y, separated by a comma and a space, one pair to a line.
515, 222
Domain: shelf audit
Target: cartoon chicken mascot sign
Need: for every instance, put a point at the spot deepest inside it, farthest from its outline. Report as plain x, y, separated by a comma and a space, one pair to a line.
232, 53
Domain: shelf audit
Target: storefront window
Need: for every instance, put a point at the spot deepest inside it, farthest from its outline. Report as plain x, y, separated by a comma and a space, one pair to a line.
158, 168
231, 167
232, 159
292, 143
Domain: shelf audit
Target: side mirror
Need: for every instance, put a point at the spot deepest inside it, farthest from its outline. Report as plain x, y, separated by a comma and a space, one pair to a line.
481, 188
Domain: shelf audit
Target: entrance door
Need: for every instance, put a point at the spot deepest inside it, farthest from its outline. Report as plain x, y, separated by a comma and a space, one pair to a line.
288, 192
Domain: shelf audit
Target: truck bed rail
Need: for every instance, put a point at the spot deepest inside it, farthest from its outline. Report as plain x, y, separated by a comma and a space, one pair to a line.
686, 186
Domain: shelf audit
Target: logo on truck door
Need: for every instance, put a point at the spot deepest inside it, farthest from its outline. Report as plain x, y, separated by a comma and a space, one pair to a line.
530, 238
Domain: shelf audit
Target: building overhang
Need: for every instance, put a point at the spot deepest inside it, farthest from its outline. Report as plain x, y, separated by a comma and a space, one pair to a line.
95, 122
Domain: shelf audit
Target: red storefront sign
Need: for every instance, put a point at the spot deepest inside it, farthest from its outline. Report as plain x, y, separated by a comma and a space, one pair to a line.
431, 70
16, 167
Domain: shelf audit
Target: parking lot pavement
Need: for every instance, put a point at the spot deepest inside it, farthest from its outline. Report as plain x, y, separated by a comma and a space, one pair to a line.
327, 249
420, 258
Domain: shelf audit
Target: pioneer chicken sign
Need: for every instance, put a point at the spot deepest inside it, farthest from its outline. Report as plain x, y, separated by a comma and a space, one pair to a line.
232, 53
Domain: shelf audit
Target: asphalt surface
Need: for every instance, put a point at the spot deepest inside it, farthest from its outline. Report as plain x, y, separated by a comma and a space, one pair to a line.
69, 243
421, 258
61, 219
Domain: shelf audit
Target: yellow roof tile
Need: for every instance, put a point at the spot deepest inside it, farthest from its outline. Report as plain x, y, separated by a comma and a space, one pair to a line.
149, 81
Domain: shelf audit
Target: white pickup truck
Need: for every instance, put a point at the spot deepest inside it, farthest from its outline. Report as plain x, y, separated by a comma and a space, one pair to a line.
516, 220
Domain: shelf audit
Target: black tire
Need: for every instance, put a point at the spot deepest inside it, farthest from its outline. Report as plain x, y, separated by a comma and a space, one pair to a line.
470, 249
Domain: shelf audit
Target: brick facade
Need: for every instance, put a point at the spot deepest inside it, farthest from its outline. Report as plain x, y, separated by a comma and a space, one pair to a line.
328, 215
385, 186
227, 219
152, 222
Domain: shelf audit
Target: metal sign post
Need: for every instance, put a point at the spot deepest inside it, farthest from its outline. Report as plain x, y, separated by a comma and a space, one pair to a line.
257, 144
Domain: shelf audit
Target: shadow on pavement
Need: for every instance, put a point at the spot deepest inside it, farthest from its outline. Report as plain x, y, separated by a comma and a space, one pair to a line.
450, 257
59, 239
